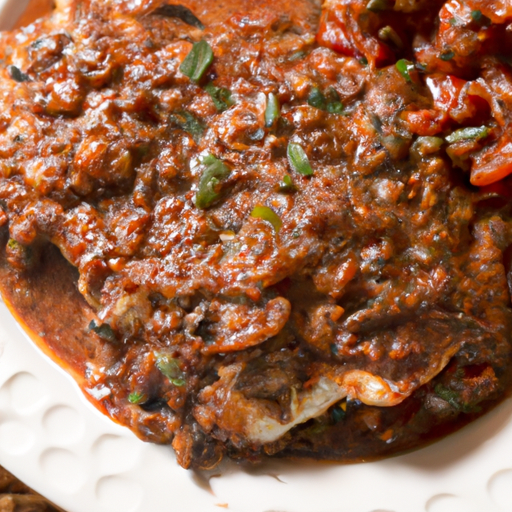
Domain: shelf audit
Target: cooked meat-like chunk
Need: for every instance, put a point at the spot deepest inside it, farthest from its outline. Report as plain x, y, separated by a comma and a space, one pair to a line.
291, 224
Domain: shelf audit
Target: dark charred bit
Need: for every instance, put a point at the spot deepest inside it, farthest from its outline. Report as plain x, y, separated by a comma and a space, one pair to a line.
181, 12
195, 449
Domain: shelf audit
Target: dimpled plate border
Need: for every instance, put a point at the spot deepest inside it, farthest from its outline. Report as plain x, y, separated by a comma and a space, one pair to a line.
56, 442
59, 444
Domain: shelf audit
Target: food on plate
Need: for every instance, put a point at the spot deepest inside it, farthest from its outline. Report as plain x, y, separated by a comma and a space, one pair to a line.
252, 229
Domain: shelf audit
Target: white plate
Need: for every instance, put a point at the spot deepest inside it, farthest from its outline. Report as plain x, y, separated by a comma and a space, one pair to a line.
56, 442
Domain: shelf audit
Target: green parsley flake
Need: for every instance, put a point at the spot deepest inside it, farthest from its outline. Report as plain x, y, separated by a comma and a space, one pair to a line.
298, 159
214, 172
267, 214
197, 61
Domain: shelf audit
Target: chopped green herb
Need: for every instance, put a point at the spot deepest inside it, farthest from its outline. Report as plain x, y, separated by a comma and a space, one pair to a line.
298, 159
296, 233
454, 399
296, 56
197, 61
476, 16
427, 145
136, 398
317, 99
448, 55
287, 185
273, 110
17, 74
453, 22
476, 133
257, 135
104, 331
405, 68
330, 102
221, 97
335, 107
389, 35
187, 122
214, 172
22, 253
377, 5
338, 414
13, 245
170, 368
181, 12
363, 61
267, 214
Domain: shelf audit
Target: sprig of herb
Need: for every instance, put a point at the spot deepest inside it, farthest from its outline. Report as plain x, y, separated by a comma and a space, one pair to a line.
17, 74
298, 159
287, 186
454, 399
136, 398
220, 96
272, 111
214, 172
197, 61
377, 5
330, 103
170, 368
187, 122
317, 99
447, 55
405, 68
104, 331
267, 214
475, 133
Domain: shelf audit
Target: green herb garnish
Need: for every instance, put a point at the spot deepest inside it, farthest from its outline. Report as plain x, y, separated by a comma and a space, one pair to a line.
214, 172
454, 399
317, 99
267, 214
17, 74
335, 107
298, 159
136, 398
427, 145
220, 96
377, 5
297, 56
181, 12
170, 368
273, 110
468, 134
476, 16
330, 103
187, 122
405, 68
287, 185
447, 56
104, 331
389, 35
197, 61
338, 414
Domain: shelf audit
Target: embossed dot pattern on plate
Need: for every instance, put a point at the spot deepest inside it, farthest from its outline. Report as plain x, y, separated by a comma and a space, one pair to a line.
118, 493
500, 489
64, 469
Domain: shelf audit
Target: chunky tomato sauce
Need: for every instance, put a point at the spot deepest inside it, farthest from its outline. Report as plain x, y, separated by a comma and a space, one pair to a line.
291, 222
